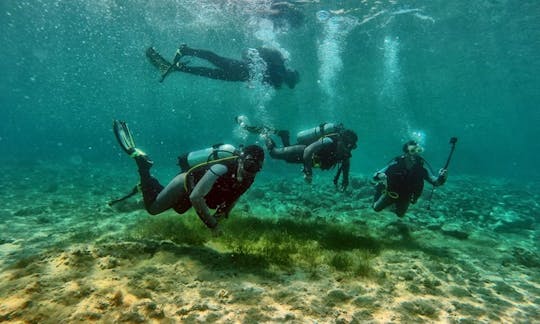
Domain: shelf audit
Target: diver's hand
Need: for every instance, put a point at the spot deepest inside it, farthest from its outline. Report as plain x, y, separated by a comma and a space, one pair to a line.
220, 215
221, 212
216, 231
443, 175
382, 178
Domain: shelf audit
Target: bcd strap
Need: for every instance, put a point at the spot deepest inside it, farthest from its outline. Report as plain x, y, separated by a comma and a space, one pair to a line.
215, 151
189, 179
321, 128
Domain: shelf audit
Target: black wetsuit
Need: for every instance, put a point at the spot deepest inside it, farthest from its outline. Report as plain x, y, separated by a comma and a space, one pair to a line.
405, 178
324, 153
228, 69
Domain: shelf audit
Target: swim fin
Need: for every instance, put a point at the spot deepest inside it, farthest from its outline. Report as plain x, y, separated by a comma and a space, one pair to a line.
127, 143
241, 121
263, 130
162, 64
157, 60
123, 136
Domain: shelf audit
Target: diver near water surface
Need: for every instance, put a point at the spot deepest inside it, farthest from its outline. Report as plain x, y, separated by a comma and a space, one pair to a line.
284, 14
228, 69
325, 146
213, 178
401, 182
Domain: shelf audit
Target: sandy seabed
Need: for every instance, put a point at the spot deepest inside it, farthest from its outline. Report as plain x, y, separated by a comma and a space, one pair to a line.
66, 256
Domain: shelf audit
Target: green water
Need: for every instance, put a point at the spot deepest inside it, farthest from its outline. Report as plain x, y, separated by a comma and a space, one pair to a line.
387, 69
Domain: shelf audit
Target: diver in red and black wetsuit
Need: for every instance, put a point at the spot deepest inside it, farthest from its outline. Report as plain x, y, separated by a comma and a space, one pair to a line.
214, 184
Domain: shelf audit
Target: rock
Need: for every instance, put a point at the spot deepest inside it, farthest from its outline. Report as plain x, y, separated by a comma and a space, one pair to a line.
5, 241
526, 258
29, 211
454, 231
513, 226
257, 193
337, 296
470, 214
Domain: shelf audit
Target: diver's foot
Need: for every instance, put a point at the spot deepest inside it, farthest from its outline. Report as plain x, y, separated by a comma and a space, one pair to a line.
180, 52
143, 161
270, 144
180, 65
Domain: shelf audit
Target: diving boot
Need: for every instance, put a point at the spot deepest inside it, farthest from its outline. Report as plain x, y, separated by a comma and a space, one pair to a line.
180, 52
270, 144
144, 163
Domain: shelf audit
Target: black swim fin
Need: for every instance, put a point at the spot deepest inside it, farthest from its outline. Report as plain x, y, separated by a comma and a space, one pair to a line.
263, 130
125, 139
157, 60
162, 64
123, 136
242, 122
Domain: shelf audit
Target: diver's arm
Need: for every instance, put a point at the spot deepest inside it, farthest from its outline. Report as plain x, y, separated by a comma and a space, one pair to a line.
310, 150
201, 189
381, 174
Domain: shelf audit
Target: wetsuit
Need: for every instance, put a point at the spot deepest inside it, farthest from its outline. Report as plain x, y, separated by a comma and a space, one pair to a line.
228, 69
214, 186
324, 153
405, 182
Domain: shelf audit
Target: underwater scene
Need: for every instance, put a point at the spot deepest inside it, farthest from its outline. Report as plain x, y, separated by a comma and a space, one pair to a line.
267, 161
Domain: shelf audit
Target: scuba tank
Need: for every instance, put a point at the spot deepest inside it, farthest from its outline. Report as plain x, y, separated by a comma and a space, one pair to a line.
309, 136
218, 151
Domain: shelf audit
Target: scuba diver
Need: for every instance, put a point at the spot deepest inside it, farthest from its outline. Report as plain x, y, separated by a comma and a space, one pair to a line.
324, 146
213, 178
401, 182
275, 73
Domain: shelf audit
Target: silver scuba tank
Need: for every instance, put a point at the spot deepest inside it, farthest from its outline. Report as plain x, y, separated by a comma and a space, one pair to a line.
309, 136
218, 151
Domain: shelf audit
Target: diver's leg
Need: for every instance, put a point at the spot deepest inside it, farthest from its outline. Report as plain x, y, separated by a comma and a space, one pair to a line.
382, 202
211, 73
166, 198
401, 207
236, 70
290, 154
379, 191
150, 186
219, 61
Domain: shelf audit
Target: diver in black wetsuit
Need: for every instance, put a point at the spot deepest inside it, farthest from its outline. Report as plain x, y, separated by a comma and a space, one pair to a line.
228, 69
325, 153
325, 146
401, 182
